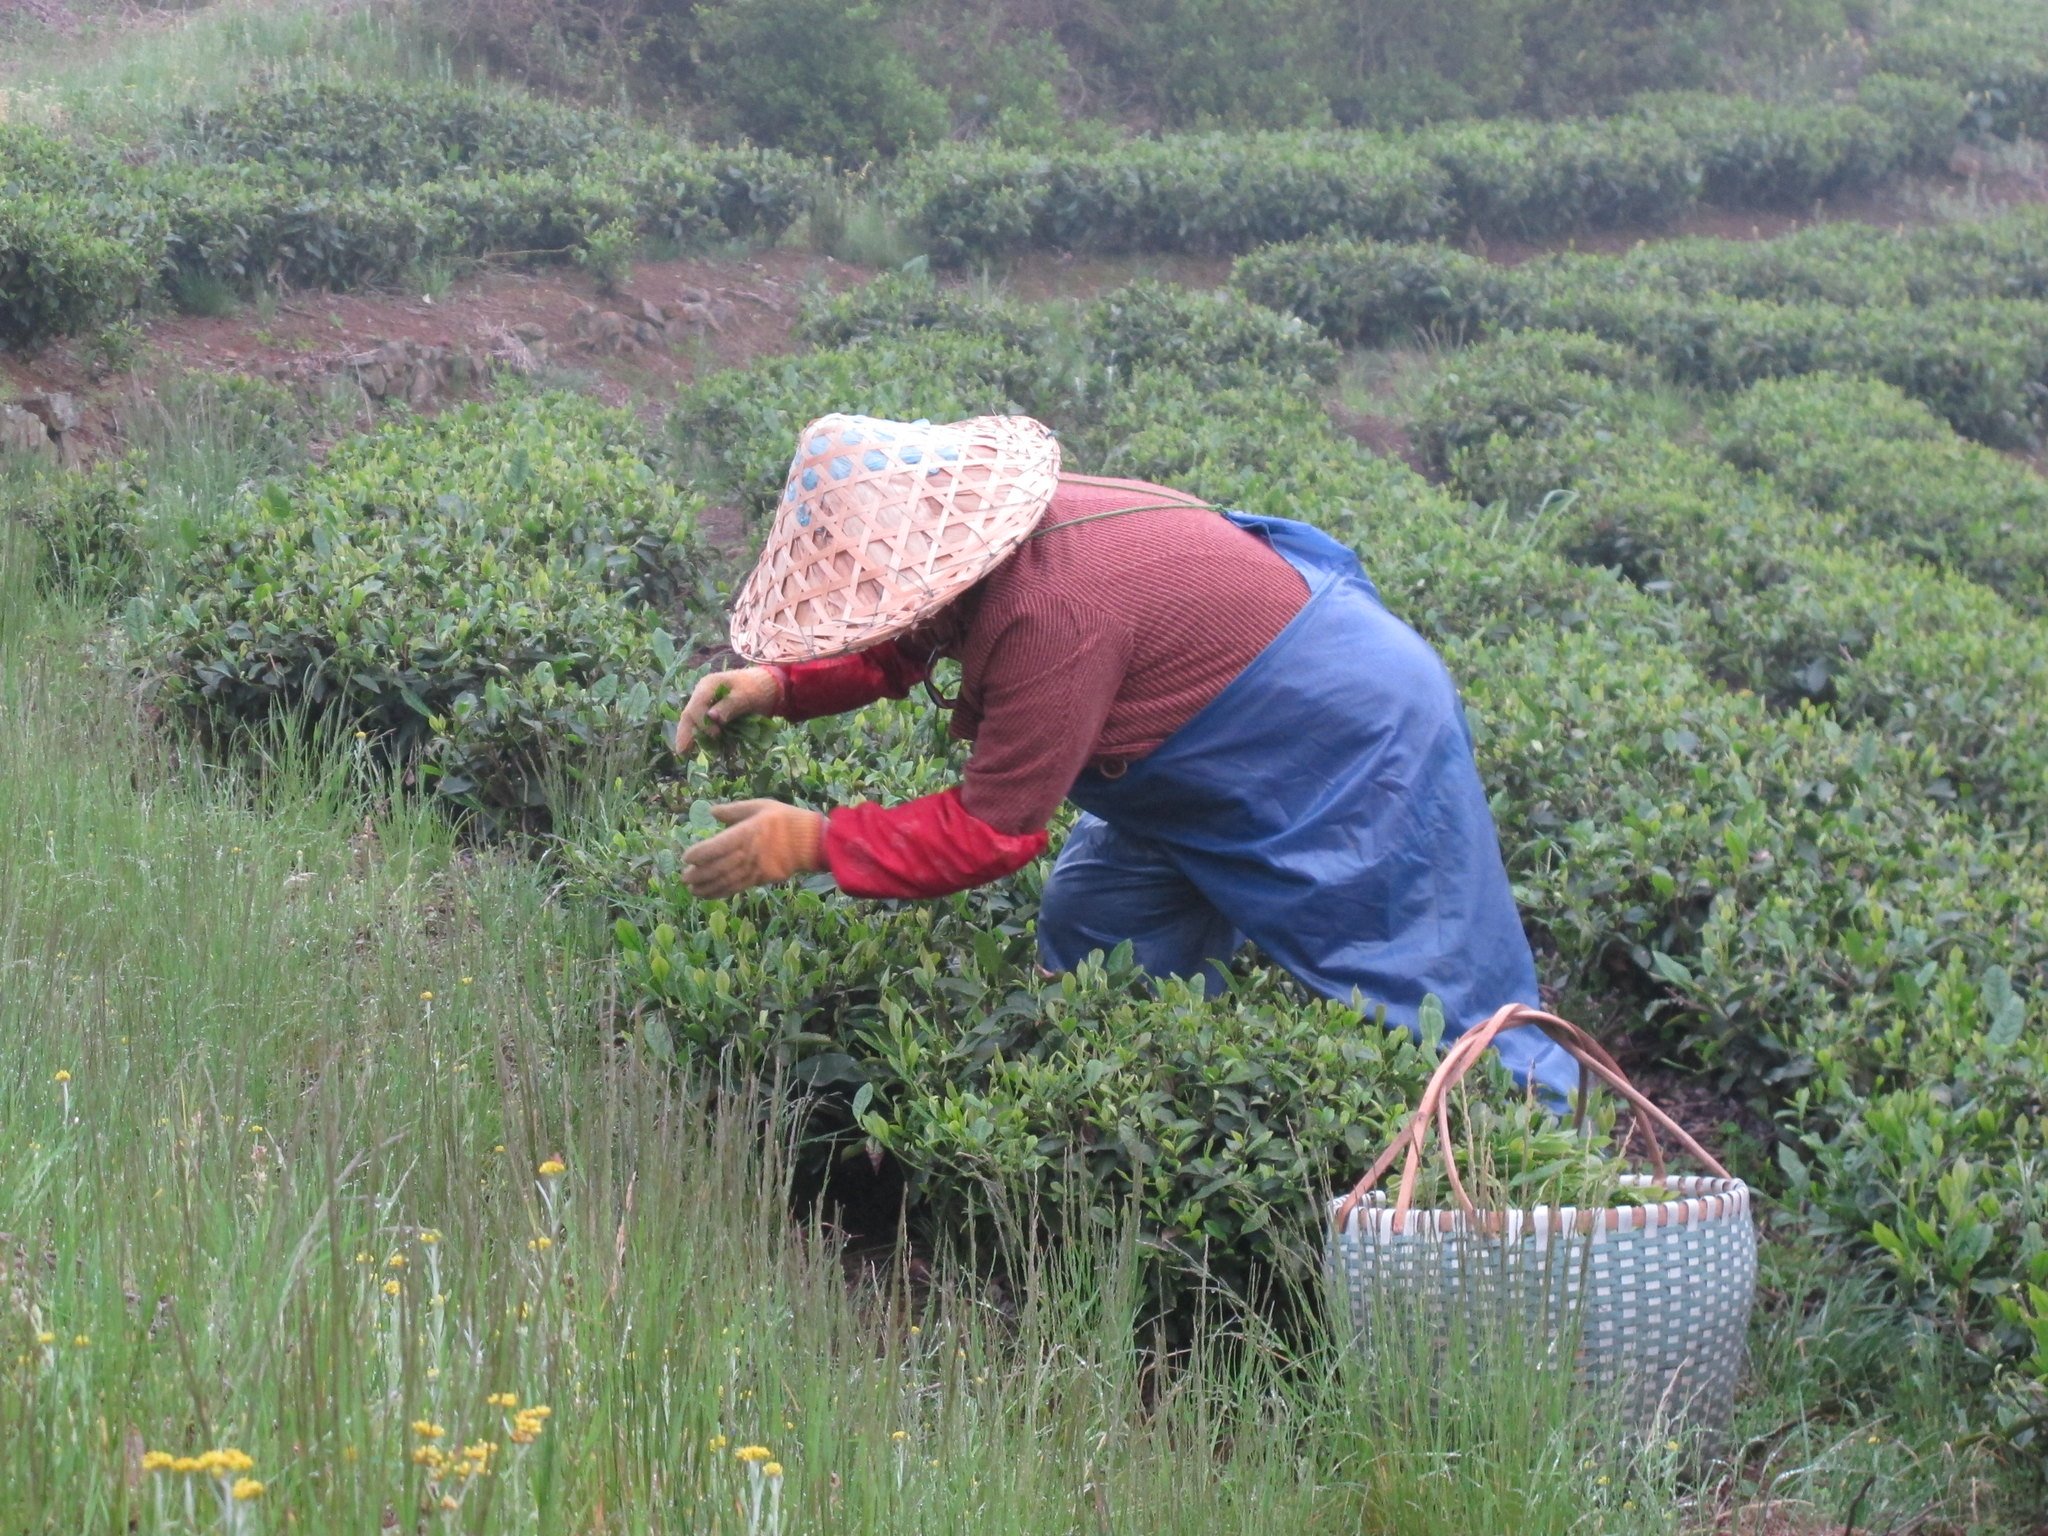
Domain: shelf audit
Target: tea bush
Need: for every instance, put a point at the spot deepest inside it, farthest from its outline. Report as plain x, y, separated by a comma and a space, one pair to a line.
1198, 193
1507, 177
1994, 54
477, 594
1784, 601
58, 272
1891, 471
1374, 292
344, 186
925, 1027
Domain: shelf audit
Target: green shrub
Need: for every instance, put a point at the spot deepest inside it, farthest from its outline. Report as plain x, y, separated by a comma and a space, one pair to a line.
1777, 600
1757, 154
399, 133
899, 304
1922, 119
819, 77
1369, 293
58, 274
86, 523
1533, 180
1161, 325
733, 430
925, 1027
1536, 383
2003, 69
475, 593
1885, 468
1197, 193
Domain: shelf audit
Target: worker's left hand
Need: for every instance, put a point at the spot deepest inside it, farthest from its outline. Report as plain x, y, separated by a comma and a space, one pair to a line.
764, 841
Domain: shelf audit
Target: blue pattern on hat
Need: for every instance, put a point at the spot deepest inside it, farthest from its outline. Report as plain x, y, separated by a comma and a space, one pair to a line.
910, 453
874, 458
820, 443
850, 438
841, 466
803, 515
810, 479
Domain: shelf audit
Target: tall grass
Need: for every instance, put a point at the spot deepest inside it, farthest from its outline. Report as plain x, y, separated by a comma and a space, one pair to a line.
129, 70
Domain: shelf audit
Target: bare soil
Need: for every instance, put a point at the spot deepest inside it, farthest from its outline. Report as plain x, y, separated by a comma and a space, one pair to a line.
304, 335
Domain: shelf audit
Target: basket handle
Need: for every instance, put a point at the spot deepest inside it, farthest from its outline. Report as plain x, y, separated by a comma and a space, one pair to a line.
1433, 1110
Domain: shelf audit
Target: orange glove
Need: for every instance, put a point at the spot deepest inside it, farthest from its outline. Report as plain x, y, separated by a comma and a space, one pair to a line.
722, 697
764, 842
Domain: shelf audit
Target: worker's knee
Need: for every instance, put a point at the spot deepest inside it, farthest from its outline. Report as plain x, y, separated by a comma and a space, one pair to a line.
1107, 888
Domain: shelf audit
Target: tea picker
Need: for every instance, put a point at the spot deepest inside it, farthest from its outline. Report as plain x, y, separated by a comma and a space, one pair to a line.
1259, 749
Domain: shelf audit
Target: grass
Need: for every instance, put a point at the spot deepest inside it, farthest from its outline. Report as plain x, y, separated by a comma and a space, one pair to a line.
125, 72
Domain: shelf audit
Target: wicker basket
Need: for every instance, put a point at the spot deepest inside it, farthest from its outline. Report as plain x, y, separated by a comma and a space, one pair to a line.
1653, 1301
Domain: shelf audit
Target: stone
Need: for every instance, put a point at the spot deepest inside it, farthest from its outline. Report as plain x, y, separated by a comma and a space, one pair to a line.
22, 433
603, 331
650, 314
530, 330
424, 384
57, 411
694, 295
695, 315
648, 334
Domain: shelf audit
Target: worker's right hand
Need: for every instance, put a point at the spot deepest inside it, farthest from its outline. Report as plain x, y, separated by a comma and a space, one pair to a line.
722, 697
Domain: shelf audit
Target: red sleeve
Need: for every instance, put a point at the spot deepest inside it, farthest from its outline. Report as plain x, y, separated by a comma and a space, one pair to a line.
922, 848
840, 683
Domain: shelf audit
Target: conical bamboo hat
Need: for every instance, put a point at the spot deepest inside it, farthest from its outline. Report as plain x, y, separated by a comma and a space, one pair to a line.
882, 523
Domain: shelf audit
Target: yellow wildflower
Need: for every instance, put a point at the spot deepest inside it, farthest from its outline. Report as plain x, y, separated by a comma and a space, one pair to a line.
716, 1443
772, 1469
753, 1453
426, 997
157, 1461
468, 980
62, 1076
540, 1244
503, 1399
46, 1338
427, 1429
247, 1488
396, 1261
430, 1238
554, 1167
392, 1287
449, 1501
81, 1341
900, 1436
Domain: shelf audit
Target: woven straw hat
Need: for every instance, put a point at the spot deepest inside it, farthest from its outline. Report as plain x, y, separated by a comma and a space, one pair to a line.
882, 523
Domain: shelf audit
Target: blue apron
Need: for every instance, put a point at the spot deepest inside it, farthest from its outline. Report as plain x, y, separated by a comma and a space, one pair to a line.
1327, 806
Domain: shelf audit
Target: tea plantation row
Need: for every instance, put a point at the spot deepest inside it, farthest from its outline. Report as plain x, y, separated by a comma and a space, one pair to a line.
1954, 316
1221, 193
344, 186
340, 187
1994, 50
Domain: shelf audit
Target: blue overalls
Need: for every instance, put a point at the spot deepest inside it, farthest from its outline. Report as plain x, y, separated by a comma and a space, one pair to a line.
1325, 805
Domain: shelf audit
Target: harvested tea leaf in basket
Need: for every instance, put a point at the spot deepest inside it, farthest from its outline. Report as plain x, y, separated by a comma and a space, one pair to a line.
1515, 1155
